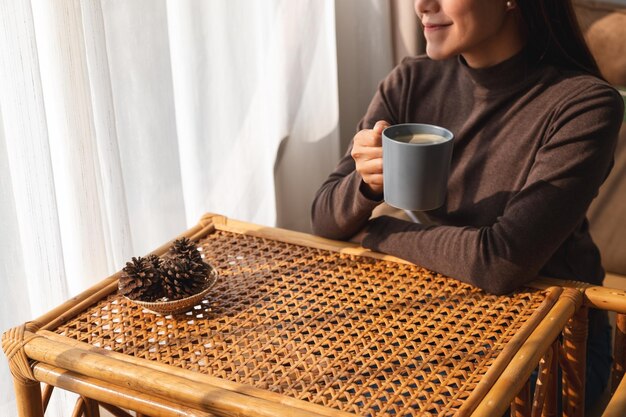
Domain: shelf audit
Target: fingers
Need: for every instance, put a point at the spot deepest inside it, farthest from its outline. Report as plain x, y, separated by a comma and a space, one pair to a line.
365, 149
370, 167
367, 146
380, 126
377, 131
375, 181
367, 153
371, 137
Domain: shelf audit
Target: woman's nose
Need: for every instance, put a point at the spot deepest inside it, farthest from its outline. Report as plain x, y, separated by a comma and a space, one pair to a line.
425, 6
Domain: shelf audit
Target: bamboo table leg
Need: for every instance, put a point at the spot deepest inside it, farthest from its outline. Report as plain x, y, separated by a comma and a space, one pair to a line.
619, 351
550, 404
542, 385
28, 396
520, 407
79, 408
573, 364
91, 408
27, 388
46, 394
617, 404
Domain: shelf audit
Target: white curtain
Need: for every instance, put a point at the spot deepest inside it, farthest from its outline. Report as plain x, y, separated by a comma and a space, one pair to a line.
122, 122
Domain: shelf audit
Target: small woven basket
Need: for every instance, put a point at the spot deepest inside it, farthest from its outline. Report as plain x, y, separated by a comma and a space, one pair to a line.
181, 305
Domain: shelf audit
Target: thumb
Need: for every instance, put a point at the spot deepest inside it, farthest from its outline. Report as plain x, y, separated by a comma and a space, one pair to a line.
380, 126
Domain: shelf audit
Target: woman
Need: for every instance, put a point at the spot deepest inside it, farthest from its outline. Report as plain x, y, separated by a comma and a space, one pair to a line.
535, 129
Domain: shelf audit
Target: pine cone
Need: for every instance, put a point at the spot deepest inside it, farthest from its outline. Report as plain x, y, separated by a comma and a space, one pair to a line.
180, 274
140, 279
186, 249
182, 278
154, 261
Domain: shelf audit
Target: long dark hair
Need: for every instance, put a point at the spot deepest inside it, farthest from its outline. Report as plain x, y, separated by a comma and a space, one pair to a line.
554, 35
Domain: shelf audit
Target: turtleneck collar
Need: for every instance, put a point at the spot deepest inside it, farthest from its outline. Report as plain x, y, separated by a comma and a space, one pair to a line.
511, 74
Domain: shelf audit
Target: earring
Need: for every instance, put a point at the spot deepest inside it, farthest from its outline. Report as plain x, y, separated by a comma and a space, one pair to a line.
509, 5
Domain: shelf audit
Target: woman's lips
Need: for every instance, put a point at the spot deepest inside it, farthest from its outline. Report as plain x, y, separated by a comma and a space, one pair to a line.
433, 27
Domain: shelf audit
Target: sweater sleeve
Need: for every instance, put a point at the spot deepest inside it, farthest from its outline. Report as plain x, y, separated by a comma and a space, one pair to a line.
341, 208
569, 168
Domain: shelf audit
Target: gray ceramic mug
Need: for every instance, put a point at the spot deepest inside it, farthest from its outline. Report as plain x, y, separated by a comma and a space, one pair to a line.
416, 163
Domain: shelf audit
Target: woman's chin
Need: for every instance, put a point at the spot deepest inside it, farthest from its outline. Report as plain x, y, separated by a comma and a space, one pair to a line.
436, 53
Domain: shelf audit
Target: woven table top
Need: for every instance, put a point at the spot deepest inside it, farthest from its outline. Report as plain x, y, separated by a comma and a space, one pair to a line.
358, 334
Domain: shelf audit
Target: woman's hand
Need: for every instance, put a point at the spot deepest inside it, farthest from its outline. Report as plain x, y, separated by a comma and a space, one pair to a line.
367, 152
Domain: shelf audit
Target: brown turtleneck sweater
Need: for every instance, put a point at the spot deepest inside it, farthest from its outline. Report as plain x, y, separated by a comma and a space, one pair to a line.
532, 145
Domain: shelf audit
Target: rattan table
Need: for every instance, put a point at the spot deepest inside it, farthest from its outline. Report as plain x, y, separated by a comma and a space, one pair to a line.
301, 326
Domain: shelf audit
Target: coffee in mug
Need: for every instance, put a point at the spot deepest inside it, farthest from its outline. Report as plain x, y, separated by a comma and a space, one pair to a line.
416, 163
421, 138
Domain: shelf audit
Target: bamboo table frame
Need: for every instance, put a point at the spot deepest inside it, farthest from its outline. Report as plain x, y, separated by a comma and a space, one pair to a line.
41, 351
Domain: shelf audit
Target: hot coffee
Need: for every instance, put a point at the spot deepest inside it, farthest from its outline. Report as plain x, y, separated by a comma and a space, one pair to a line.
420, 138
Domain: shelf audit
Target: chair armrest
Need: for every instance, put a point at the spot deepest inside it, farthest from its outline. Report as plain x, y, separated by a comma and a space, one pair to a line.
617, 404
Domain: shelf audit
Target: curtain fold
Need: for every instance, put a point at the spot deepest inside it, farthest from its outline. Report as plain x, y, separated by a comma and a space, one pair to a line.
406, 33
71, 138
109, 178
142, 98
122, 122
372, 37
33, 273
